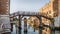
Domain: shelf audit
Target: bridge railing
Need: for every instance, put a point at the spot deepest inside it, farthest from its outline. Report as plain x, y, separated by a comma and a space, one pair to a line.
29, 14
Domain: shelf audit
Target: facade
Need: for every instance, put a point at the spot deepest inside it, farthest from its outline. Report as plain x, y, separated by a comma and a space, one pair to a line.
33, 21
4, 7
51, 10
4, 16
46, 21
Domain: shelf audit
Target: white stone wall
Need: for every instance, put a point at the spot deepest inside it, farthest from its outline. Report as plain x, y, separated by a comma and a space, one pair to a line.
57, 21
4, 19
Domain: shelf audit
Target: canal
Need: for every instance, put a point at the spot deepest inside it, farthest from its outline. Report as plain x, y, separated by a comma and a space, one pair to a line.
31, 30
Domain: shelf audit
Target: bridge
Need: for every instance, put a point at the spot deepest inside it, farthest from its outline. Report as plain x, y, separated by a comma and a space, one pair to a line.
21, 14
24, 13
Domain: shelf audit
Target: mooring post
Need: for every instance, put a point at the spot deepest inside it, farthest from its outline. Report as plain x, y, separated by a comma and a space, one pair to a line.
40, 30
41, 21
18, 31
20, 21
11, 23
52, 31
34, 29
25, 26
40, 26
52, 26
19, 24
34, 25
11, 27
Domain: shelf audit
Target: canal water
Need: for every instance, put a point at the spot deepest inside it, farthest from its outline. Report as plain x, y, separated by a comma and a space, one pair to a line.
31, 30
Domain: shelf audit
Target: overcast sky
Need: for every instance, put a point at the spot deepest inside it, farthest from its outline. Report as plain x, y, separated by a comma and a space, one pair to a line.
26, 5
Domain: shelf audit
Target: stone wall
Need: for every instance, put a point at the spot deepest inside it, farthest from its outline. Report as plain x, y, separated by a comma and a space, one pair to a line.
5, 22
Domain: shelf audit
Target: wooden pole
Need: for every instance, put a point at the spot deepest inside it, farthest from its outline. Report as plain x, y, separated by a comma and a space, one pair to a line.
25, 26
20, 24
40, 26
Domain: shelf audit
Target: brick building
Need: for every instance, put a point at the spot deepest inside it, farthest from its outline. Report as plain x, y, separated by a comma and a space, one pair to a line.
4, 7
4, 16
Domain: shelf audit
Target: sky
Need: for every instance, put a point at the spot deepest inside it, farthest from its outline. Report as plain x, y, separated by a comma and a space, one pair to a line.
27, 5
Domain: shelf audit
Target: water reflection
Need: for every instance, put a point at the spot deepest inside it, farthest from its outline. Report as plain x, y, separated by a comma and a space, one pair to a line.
7, 33
25, 28
31, 30
46, 30
13, 30
18, 31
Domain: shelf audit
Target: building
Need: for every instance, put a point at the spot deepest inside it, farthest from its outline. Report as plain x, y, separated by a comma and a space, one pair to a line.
4, 7
4, 15
46, 21
51, 10
34, 21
